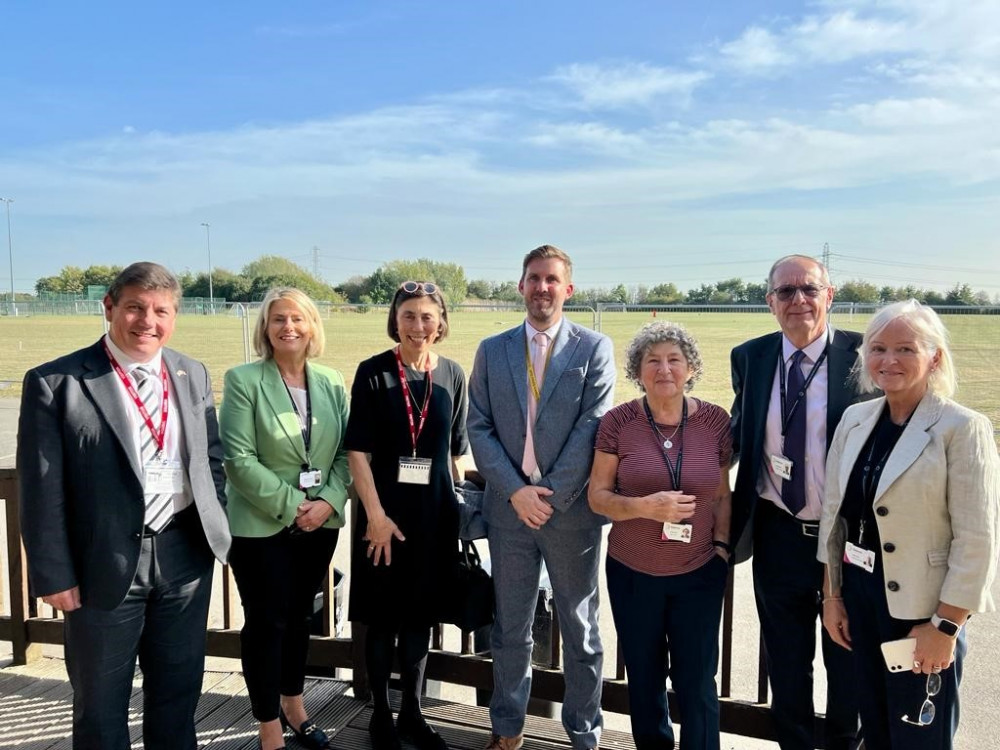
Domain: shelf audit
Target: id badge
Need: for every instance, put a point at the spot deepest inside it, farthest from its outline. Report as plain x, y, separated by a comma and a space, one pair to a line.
860, 557
310, 478
163, 477
414, 470
677, 532
781, 466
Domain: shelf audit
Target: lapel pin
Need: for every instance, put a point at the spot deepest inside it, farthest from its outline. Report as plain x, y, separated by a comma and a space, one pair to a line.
181, 373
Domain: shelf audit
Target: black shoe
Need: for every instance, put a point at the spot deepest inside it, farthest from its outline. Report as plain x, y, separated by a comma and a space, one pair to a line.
309, 735
415, 730
383, 732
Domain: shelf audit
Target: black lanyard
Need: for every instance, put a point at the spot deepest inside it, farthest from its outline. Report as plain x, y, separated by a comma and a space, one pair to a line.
307, 425
673, 468
870, 475
786, 415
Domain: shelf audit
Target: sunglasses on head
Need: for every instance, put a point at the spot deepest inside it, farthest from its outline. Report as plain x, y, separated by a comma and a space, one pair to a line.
787, 292
418, 287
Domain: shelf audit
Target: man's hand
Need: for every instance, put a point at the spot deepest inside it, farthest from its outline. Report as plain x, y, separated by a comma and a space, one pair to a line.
530, 506
65, 601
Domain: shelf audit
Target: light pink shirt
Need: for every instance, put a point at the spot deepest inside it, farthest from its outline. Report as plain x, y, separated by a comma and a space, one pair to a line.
769, 483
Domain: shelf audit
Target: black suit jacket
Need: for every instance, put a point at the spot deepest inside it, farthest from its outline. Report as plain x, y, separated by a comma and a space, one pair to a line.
81, 495
754, 364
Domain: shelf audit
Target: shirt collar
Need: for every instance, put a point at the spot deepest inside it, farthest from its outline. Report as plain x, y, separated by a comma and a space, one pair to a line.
812, 351
128, 364
552, 331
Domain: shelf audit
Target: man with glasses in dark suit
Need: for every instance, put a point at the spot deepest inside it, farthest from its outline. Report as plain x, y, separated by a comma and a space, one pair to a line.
792, 387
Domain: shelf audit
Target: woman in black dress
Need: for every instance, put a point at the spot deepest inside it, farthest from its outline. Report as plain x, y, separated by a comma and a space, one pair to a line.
408, 408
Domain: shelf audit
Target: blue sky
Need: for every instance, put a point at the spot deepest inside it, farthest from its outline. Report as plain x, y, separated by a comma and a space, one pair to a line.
655, 141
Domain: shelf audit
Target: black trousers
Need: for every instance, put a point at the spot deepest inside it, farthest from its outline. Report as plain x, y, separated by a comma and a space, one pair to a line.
278, 577
788, 582
670, 625
886, 697
161, 622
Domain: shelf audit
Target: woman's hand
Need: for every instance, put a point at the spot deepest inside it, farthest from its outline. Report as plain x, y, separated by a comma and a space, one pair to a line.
381, 529
312, 514
934, 650
835, 621
668, 506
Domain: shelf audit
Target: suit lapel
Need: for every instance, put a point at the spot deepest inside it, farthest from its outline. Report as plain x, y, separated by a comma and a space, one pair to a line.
764, 368
563, 348
317, 398
856, 440
180, 386
277, 398
518, 367
838, 394
102, 384
911, 443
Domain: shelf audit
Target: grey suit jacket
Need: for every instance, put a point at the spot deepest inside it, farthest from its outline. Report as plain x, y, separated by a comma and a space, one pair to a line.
578, 389
82, 501
940, 495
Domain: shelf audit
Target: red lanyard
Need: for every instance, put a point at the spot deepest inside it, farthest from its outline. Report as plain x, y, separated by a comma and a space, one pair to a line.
159, 435
415, 430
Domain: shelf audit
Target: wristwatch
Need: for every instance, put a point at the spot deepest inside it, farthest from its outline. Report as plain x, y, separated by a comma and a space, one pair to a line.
947, 627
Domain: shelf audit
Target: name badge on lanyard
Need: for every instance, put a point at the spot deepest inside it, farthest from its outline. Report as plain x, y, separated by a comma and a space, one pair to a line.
412, 469
677, 532
162, 477
859, 557
781, 466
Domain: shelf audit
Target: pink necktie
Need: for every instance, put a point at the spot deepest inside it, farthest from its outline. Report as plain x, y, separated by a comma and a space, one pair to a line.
528, 464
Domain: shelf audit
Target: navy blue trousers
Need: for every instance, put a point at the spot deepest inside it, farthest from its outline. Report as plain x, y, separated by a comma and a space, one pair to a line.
669, 625
788, 580
885, 696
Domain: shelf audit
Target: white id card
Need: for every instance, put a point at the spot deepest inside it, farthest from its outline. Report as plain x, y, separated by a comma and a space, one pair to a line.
310, 478
859, 556
414, 470
163, 477
677, 532
781, 466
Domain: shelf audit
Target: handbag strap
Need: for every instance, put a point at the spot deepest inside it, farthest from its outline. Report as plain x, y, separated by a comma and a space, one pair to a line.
470, 555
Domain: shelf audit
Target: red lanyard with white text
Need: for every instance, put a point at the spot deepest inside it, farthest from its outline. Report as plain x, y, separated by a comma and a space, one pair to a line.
159, 435
415, 430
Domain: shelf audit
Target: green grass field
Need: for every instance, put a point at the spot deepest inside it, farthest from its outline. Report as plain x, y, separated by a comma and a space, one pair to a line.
351, 337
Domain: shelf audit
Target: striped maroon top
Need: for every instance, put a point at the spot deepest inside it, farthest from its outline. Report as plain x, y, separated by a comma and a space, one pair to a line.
708, 445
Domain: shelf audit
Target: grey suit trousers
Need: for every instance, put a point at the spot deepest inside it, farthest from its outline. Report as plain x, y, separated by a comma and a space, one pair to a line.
572, 557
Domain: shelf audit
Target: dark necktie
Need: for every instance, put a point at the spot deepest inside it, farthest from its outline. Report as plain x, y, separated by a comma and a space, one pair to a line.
159, 507
793, 491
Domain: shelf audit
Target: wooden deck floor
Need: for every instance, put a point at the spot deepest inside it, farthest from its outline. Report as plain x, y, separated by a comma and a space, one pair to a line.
36, 714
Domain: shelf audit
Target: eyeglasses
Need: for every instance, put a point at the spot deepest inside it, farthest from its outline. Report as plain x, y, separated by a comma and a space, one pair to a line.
927, 709
785, 293
418, 287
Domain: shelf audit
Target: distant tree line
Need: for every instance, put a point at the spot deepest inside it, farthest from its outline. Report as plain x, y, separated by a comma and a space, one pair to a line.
252, 283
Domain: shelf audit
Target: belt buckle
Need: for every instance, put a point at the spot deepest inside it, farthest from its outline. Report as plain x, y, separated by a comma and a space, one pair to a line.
810, 529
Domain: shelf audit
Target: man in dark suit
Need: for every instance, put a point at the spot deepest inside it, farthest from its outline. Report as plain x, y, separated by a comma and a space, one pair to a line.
536, 395
123, 514
791, 389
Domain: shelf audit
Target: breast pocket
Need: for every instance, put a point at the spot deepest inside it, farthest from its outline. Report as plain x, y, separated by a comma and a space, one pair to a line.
936, 557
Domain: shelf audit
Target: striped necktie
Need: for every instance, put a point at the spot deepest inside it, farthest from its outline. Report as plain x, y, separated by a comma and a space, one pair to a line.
159, 507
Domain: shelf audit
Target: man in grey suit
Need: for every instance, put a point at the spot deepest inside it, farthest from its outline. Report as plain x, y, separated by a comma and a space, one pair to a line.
123, 513
536, 395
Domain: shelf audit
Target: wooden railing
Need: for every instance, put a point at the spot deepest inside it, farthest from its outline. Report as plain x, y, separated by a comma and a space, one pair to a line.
27, 627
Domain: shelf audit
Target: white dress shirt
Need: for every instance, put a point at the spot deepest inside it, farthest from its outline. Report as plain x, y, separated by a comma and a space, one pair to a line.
769, 483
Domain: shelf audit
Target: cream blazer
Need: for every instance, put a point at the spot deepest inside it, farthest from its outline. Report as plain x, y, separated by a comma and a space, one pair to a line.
937, 503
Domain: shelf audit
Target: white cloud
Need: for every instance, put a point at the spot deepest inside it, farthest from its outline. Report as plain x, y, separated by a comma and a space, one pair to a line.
627, 84
757, 49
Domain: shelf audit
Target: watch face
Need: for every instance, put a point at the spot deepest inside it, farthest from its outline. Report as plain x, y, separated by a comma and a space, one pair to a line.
948, 628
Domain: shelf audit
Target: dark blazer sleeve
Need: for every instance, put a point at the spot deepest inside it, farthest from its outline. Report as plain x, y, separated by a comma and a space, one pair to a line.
42, 499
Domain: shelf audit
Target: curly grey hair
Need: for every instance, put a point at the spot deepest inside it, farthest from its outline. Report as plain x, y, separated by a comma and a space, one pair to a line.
659, 332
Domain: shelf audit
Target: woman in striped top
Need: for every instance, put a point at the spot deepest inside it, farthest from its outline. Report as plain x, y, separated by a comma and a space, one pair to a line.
661, 474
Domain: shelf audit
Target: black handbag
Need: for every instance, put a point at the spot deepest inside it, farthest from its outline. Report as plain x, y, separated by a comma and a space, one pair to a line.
469, 601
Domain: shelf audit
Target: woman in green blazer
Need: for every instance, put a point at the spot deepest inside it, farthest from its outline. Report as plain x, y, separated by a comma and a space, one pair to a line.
282, 424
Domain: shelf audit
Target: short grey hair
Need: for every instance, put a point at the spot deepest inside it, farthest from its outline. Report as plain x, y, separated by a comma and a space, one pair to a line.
931, 334
662, 332
824, 275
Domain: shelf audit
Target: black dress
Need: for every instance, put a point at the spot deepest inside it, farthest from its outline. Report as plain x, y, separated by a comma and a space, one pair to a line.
410, 590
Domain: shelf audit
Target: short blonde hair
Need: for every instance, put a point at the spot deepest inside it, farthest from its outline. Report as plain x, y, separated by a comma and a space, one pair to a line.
930, 333
317, 338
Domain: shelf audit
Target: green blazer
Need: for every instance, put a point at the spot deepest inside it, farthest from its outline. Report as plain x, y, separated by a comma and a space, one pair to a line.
264, 450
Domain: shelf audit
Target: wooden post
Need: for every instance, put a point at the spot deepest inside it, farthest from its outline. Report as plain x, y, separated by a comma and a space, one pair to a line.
17, 573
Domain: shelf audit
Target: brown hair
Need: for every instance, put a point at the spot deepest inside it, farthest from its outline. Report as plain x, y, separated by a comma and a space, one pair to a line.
544, 252
402, 296
148, 276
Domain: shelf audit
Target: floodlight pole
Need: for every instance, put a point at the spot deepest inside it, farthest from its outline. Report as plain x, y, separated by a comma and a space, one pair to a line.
10, 252
208, 244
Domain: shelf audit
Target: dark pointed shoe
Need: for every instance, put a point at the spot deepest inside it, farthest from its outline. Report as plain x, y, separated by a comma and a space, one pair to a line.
383, 732
308, 735
415, 730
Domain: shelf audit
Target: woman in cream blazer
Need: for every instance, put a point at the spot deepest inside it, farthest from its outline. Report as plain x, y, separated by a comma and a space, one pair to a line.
282, 424
909, 533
